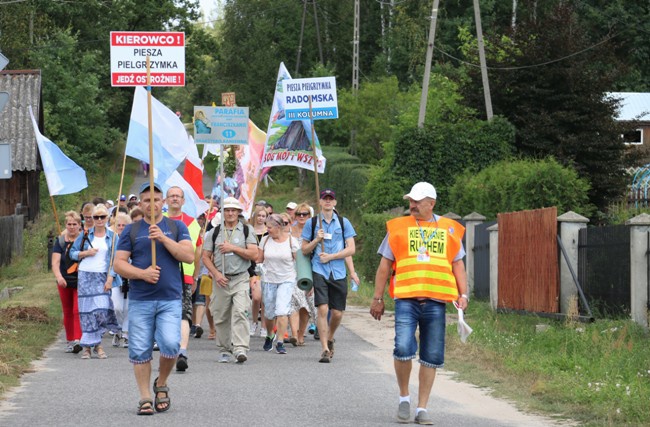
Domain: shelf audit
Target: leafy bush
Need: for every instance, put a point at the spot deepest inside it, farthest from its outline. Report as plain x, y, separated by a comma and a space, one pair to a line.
509, 186
370, 233
437, 154
346, 175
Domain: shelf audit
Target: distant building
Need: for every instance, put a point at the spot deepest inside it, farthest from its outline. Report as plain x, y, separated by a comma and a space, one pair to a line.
16, 128
635, 108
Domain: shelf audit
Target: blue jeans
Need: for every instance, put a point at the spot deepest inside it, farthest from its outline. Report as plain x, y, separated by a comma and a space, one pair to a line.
149, 320
429, 315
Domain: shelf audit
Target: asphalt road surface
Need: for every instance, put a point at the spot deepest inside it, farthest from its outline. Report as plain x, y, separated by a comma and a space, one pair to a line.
269, 389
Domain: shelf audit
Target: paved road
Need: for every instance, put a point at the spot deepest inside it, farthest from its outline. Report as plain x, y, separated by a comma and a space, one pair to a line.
269, 390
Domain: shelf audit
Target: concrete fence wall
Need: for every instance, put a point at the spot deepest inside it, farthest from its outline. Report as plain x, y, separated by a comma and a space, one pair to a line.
569, 226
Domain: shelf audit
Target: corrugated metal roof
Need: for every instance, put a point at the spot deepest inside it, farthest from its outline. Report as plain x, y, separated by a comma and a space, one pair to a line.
635, 106
24, 89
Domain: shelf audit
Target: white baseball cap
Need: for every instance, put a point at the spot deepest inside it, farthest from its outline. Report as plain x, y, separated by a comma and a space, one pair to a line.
292, 205
420, 191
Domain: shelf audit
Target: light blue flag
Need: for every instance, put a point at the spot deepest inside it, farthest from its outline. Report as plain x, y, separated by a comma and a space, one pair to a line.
62, 174
170, 143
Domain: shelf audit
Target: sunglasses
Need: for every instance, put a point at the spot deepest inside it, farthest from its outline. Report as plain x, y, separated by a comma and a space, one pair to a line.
302, 213
98, 217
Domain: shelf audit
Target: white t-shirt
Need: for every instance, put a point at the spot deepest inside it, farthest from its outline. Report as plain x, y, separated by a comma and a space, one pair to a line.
278, 259
97, 263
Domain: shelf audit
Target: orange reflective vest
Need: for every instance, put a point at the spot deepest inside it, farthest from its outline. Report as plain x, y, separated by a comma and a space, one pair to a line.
427, 275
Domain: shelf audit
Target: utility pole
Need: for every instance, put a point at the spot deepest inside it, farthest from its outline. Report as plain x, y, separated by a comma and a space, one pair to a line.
481, 54
302, 31
355, 49
427, 65
320, 48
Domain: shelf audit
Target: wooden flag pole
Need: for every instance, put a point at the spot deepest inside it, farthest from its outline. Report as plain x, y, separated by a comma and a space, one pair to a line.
56, 217
121, 182
315, 160
151, 165
115, 211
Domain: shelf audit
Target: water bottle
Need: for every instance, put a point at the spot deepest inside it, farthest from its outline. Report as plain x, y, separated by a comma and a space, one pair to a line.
355, 285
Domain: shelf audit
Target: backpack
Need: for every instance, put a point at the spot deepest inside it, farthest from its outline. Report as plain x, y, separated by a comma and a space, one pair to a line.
70, 266
313, 229
215, 233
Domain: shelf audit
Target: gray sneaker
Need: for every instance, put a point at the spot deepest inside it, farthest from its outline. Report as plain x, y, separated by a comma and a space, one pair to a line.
423, 418
224, 358
404, 413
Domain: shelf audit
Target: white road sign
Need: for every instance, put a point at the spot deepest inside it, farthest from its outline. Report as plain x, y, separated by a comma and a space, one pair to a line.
129, 51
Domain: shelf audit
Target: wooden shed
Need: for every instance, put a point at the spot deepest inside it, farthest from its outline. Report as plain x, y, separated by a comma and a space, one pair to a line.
22, 189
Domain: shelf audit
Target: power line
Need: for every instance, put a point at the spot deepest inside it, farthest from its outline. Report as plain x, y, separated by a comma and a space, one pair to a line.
533, 65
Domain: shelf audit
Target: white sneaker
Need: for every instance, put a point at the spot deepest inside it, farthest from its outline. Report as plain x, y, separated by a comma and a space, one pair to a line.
253, 329
225, 358
263, 332
116, 340
124, 343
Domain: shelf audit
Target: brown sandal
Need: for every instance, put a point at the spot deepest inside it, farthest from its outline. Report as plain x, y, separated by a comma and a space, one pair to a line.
161, 400
145, 407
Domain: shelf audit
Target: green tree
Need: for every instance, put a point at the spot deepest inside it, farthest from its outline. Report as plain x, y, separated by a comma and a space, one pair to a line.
436, 154
559, 108
75, 116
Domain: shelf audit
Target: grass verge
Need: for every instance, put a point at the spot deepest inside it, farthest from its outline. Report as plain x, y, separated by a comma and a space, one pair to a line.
597, 374
29, 322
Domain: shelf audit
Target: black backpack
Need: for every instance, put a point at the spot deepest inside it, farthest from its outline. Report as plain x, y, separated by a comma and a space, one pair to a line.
215, 234
70, 266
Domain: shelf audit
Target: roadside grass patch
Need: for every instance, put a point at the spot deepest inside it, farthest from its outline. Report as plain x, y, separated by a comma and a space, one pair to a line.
29, 322
598, 373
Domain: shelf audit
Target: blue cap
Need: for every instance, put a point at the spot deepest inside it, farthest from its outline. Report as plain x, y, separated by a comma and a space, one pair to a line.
145, 186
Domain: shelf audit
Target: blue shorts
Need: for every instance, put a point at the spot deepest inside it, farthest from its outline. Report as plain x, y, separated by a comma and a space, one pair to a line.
277, 299
154, 320
429, 315
197, 297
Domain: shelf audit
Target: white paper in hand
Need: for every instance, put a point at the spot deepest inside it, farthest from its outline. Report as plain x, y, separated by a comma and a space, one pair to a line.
463, 328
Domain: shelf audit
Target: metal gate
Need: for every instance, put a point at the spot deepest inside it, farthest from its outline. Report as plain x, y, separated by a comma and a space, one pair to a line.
604, 268
482, 260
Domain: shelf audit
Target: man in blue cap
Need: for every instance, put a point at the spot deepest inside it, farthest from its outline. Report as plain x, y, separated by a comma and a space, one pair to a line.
155, 293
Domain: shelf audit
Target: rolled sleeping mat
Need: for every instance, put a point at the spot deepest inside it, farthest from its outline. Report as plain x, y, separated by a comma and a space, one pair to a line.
303, 269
